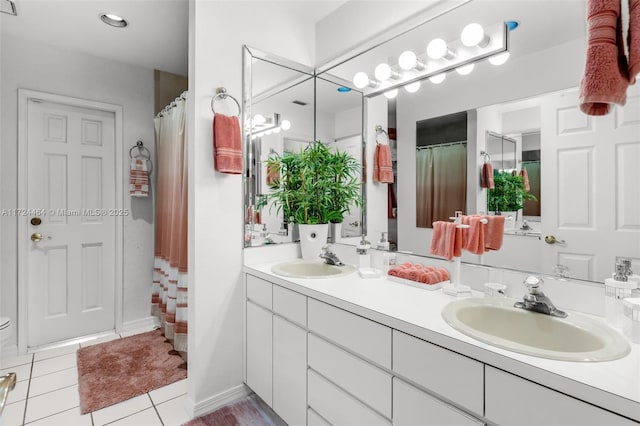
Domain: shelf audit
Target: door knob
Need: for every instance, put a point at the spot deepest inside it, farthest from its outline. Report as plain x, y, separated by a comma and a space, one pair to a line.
550, 239
36, 236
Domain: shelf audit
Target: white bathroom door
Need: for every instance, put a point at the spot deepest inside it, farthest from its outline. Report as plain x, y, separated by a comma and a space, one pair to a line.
70, 267
590, 185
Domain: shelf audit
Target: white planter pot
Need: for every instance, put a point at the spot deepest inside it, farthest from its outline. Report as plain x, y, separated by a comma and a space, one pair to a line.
312, 239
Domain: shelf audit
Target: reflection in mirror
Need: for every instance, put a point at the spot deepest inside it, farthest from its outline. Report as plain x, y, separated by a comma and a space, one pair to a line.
441, 168
286, 107
598, 218
278, 108
339, 123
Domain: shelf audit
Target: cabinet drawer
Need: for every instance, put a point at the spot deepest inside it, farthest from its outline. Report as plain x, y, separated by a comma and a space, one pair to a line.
259, 291
289, 304
364, 337
366, 382
338, 407
506, 403
446, 373
314, 419
413, 407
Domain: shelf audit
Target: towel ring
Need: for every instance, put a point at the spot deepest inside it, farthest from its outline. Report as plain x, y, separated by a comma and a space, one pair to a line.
221, 94
379, 131
143, 152
486, 157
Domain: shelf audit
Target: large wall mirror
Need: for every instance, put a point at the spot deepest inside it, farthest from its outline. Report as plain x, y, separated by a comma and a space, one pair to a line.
286, 106
582, 170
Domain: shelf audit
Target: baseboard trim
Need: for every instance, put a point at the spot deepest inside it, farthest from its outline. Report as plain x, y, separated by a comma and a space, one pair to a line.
216, 401
140, 325
9, 351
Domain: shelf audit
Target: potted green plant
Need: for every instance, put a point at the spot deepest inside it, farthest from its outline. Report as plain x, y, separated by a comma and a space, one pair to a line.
316, 186
508, 194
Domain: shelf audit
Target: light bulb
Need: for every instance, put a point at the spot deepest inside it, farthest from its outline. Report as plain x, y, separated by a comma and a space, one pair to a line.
254, 137
276, 130
407, 60
437, 48
499, 59
267, 132
473, 35
465, 69
390, 94
383, 72
438, 78
285, 125
360, 80
413, 87
259, 119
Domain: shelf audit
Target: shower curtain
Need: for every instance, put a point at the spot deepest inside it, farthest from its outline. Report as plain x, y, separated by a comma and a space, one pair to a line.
441, 183
169, 291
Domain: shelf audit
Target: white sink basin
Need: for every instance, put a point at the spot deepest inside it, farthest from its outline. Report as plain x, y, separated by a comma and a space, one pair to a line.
300, 268
495, 321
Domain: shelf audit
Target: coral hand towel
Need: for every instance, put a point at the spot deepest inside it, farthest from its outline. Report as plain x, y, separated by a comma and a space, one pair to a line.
473, 239
227, 145
382, 167
494, 232
633, 37
443, 239
486, 177
605, 78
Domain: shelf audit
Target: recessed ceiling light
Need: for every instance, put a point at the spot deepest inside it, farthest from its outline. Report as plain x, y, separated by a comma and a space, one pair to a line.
114, 20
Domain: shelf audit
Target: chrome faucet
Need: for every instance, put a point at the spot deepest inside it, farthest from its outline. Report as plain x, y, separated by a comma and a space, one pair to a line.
329, 257
536, 301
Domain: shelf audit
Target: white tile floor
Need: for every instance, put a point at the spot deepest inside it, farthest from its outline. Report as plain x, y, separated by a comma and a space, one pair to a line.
47, 395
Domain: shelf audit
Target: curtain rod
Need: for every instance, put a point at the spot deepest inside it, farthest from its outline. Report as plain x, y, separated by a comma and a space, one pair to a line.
418, 148
173, 104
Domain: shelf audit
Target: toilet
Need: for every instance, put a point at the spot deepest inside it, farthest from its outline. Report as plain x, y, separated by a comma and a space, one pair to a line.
5, 330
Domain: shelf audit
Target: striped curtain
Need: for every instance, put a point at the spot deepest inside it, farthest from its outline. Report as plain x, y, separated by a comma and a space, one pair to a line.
169, 292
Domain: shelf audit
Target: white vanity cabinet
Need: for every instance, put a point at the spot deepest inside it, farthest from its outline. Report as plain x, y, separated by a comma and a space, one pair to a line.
412, 407
276, 348
317, 364
511, 400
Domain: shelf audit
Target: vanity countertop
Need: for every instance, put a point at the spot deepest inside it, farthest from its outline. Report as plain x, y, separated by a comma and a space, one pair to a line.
613, 385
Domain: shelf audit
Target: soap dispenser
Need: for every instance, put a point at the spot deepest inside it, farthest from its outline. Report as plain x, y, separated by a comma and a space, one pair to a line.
364, 258
383, 244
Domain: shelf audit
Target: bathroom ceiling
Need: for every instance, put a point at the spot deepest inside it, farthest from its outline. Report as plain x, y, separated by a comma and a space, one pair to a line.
157, 36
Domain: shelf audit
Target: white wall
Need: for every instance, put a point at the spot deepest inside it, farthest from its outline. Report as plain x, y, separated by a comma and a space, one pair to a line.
363, 21
31, 65
549, 70
348, 123
217, 31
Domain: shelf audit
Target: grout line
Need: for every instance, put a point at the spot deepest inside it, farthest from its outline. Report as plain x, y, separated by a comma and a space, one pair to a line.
51, 391
51, 415
26, 398
155, 408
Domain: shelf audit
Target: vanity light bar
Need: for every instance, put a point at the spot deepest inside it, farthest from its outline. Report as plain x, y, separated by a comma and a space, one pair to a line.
494, 42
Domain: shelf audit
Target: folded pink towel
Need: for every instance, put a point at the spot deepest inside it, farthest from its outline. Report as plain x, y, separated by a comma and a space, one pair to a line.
525, 179
473, 237
605, 78
633, 37
382, 167
227, 144
486, 176
443, 239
